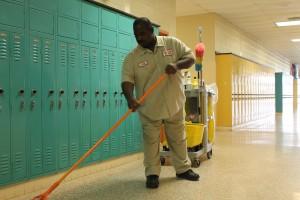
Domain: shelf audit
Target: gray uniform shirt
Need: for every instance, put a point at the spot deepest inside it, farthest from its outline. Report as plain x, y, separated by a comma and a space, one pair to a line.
142, 67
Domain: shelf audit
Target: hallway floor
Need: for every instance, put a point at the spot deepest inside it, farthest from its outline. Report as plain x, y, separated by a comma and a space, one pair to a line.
257, 162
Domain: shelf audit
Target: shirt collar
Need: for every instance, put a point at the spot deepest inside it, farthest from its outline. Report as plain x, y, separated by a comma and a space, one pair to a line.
159, 43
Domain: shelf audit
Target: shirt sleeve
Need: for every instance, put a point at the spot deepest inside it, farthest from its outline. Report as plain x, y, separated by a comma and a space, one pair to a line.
182, 50
127, 70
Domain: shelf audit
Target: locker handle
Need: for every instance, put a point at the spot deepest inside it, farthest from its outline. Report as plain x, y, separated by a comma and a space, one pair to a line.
61, 92
76, 92
97, 92
33, 92
84, 92
1, 91
21, 92
104, 93
115, 93
51, 92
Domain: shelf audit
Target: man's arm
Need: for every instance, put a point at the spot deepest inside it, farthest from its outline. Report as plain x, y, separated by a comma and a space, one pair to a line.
127, 88
183, 63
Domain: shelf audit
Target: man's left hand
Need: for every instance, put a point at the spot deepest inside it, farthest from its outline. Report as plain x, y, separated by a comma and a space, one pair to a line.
171, 68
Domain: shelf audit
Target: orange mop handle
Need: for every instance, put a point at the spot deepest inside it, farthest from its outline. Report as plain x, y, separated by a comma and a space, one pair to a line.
45, 195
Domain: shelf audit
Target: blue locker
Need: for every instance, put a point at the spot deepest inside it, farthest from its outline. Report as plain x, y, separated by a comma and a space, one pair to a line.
104, 102
18, 99
70, 8
125, 24
5, 142
90, 13
114, 93
109, 19
49, 100
44, 4
12, 14
62, 106
95, 101
34, 128
85, 136
74, 100
122, 107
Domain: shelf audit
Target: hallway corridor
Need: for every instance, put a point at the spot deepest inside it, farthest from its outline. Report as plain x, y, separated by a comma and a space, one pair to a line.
257, 162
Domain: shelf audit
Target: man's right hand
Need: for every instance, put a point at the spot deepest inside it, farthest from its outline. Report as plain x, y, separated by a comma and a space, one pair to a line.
133, 104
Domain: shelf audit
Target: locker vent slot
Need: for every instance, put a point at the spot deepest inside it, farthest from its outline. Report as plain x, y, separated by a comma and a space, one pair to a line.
72, 56
47, 53
36, 51
85, 58
113, 141
74, 151
63, 55
64, 153
112, 60
49, 153
17, 48
106, 146
93, 58
3, 46
19, 161
4, 165
37, 158
105, 61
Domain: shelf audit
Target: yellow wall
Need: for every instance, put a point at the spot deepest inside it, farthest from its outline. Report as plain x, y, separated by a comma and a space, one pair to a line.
246, 90
224, 106
186, 29
158, 11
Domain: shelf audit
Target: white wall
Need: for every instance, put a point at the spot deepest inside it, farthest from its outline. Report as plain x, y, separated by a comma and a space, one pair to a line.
230, 39
162, 12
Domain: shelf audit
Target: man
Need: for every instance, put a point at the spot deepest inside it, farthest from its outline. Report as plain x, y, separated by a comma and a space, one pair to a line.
154, 56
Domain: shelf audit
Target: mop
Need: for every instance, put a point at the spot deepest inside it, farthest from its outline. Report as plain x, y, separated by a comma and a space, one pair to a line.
44, 195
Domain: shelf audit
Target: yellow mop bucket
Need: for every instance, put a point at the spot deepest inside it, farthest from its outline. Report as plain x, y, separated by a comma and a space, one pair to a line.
194, 133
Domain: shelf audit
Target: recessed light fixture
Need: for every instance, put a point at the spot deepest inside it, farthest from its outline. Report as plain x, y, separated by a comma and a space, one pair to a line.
295, 40
288, 23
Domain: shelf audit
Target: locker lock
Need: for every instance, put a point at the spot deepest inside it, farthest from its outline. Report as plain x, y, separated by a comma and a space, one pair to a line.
84, 92
1, 91
21, 92
104, 93
96, 92
61, 91
33, 92
51, 92
115, 93
75, 92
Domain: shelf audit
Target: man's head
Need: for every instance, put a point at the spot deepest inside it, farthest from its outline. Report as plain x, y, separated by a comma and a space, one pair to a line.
143, 32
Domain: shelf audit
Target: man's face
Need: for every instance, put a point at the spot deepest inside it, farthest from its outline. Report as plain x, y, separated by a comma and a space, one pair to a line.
143, 35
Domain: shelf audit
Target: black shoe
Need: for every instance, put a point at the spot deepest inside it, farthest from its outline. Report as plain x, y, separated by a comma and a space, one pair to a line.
152, 181
188, 175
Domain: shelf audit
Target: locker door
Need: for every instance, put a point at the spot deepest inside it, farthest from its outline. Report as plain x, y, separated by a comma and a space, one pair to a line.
114, 102
48, 107
86, 110
5, 160
74, 99
95, 101
18, 102
34, 129
104, 102
122, 107
62, 107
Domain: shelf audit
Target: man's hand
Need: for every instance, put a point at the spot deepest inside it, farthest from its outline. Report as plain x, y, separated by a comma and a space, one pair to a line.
171, 68
133, 104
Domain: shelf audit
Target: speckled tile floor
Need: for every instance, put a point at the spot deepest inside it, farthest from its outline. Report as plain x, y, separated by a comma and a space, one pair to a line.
257, 162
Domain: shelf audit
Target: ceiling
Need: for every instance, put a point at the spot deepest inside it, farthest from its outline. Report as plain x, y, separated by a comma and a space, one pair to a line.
255, 17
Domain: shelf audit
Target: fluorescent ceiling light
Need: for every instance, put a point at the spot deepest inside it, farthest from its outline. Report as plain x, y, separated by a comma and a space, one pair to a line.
295, 40
288, 23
